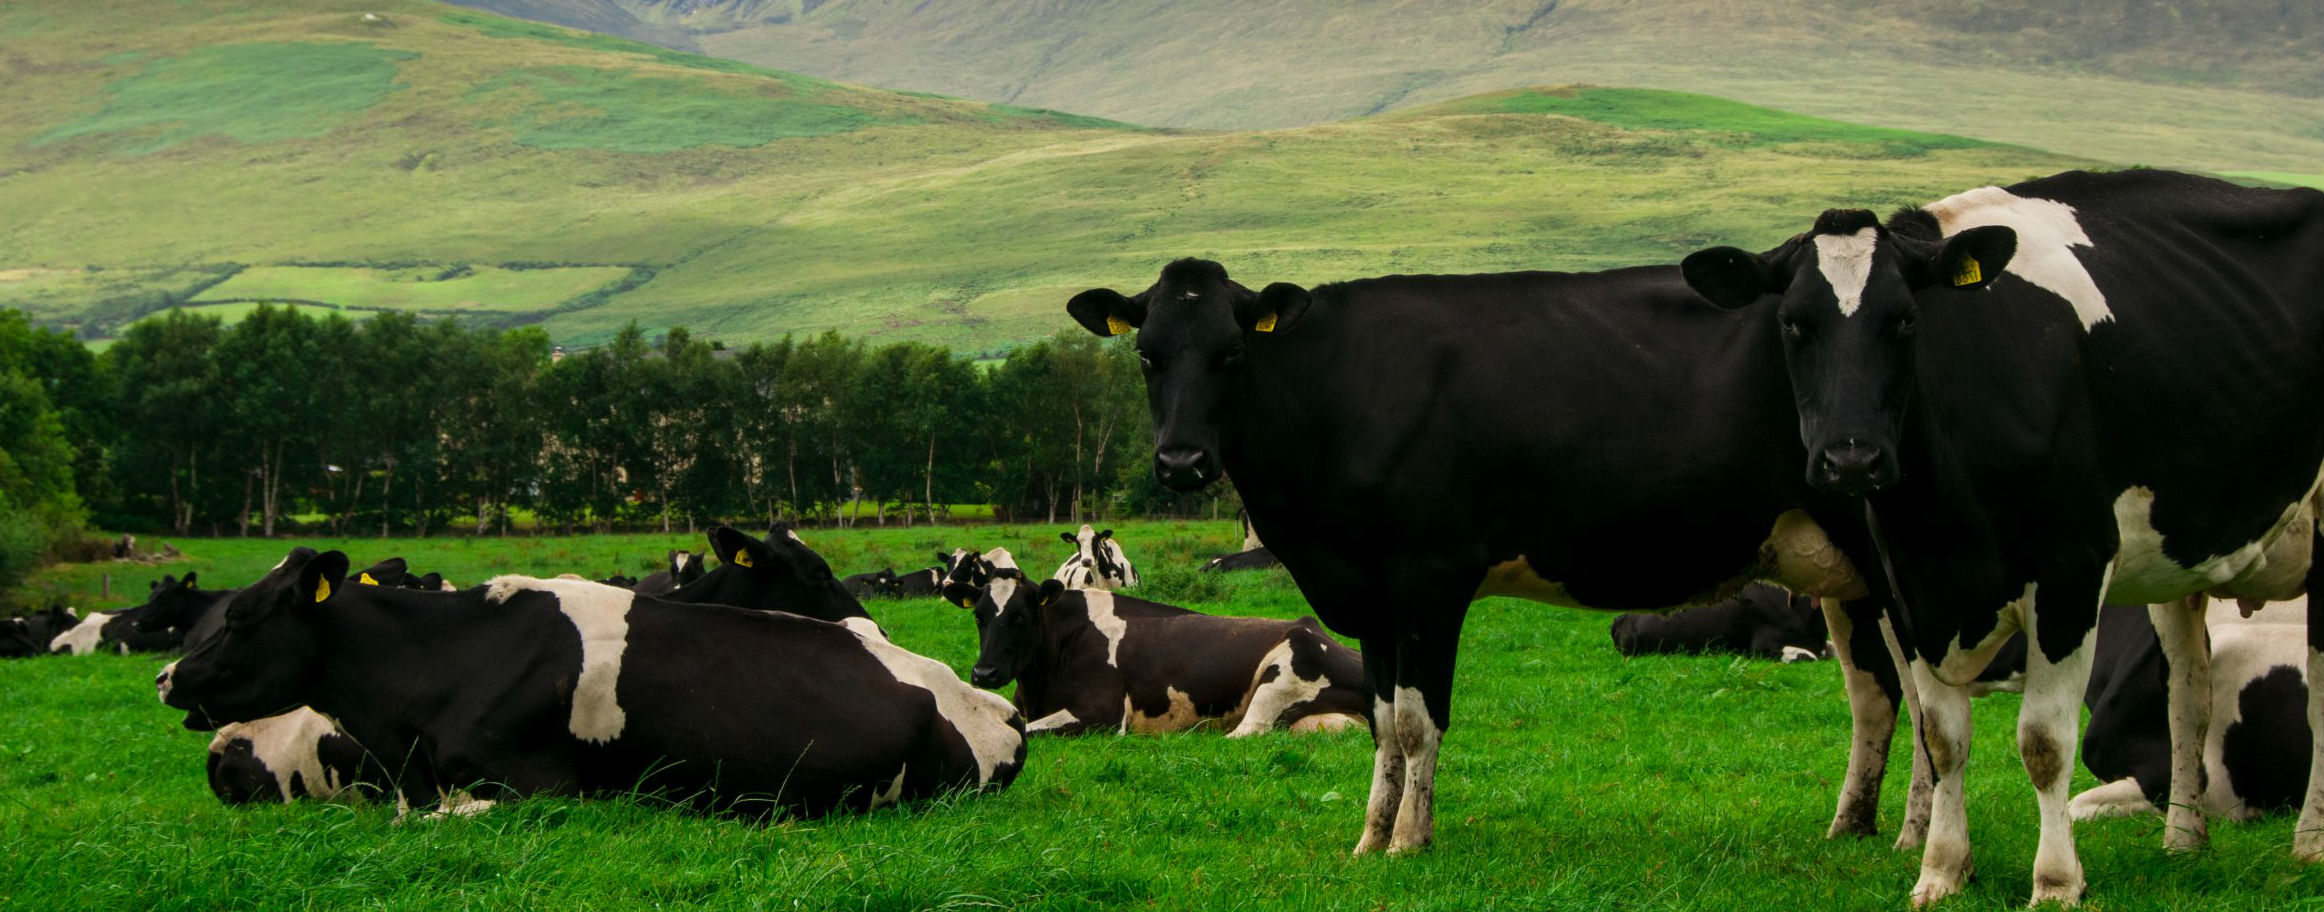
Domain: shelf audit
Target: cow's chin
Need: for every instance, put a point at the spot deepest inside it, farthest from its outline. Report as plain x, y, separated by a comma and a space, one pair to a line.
198, 721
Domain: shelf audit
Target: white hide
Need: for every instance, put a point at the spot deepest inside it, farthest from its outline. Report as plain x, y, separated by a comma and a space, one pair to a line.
1846, 262
84, 637
286, 744
981, 717
601, 615
2047, 233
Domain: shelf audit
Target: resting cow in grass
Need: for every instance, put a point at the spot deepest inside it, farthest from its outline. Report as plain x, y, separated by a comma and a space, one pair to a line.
879, 583
777, 573
1097, 561
285, 757
1089, 660
1411, 443
29, 636
2082, 390
1763, 620
683, 567
528, 686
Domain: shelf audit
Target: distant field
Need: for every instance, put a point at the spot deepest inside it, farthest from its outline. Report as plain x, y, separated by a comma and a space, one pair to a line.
233, 313
1572, 779
432, 289
2293, 178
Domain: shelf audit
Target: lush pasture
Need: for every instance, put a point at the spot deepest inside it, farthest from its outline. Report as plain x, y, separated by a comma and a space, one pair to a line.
1573, 779
431, 289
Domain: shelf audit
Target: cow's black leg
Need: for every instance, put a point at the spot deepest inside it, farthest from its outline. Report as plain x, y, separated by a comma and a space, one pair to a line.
1387, 757
2308, 835
1874, 692
2187, 654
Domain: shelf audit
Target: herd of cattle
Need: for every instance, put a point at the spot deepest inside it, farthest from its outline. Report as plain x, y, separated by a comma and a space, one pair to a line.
1958, 435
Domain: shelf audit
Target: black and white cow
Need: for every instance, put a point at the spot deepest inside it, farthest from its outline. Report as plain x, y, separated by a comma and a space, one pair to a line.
777, 573
879, 583
1408, 444
1254, 555
23, 637
2090, 388
2255, 757
1763, 620
286, 757
1097, 561
928, 583
527, 686
683, 567
1087, 660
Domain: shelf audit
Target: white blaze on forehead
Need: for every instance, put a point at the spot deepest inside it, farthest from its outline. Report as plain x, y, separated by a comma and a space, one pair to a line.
1002, 590
2047, 232
1100, 605
1846, 262
83, 638
981, 717
601, 615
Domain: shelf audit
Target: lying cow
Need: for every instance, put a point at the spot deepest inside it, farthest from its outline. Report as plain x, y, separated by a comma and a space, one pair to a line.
1097, 562
1089, 660
2255, 757
527, 686
927, 583
1763, 620
684, 567
30, 636
879, 583
777, 573
1254, 555
286, 757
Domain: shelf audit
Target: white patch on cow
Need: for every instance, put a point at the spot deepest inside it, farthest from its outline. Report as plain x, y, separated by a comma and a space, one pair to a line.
1129, 575
981, 717
1267, 702
1795, 654
286, 744
2123, 797
1003, 589
1964, 661
1846, 262
1419, 739
1325, 722
161, 681
1001, 559
278, 564
2308, 834
794, 537
601, 615
894, 792
1100, 605
863, 626
2243, 650
2272, 568
460, 804
83, 638
1798, 554
2047, 232
1052, 721
1179, 717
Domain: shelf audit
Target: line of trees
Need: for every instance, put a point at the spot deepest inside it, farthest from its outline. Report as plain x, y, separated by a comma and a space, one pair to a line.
286, 422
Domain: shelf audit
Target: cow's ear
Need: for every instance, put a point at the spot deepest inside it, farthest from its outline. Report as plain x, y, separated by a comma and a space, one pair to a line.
1970, 259
321, 577
1103, 534
1049, 591
1729, 277
1274, 309
188, 582
1106, 312
731, 546
962, 594
1069, 537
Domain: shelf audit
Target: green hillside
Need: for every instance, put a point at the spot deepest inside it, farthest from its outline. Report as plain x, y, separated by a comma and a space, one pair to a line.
409, 155
2213, 84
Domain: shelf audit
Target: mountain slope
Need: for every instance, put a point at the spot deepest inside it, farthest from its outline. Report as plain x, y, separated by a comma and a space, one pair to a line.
2218, 84
397, 154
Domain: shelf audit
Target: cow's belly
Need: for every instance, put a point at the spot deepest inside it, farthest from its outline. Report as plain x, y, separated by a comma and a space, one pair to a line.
2272, 567
1796, 554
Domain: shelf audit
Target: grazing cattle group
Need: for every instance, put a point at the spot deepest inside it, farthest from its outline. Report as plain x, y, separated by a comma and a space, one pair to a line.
2018, 438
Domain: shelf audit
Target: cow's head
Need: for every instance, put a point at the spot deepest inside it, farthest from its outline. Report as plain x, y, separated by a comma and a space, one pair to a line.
777, 573
1192, 326
265, 655
685, 566
1009, 627
1849, 315
172, 603
966, 575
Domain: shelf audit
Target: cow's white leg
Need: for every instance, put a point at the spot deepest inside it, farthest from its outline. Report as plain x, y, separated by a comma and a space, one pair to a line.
1387, 752
2187, 652
1943, 731
1914, 832
2123, 797
1269, 700
1872, 725
2049, 726
1419, 734
2308, 835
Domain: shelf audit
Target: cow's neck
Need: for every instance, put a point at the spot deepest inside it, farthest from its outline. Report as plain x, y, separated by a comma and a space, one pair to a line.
383, 656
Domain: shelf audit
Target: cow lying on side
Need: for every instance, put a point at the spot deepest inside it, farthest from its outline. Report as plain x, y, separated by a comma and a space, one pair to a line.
1089, 660
528, 686
283, 758
1763, 620
2255, 758
1097, 562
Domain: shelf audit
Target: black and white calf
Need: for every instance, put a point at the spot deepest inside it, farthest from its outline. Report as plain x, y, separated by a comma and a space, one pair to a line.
1089, 660
527, 686
1097, 561
286, 757
2080, 390
2255, 758
1763, 620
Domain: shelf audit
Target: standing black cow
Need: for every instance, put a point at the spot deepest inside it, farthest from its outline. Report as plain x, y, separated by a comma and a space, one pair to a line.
1763, 620
1088, 660
2094, 388
528, 686
1408, 444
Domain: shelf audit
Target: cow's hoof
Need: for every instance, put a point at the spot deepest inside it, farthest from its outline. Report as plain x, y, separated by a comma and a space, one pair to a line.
2191, 839
1910, 838
1370, 845
2064, 891
1414, 847
1937, 885
2308, 847
1850, 823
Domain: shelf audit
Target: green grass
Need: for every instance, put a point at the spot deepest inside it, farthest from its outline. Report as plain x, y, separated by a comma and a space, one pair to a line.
2287, 178
426, 289
253, 93
1646, 109
1572, 779
589, 108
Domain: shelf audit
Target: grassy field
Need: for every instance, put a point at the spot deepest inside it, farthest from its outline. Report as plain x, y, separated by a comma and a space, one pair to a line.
1572, 779
432, 289
767, 203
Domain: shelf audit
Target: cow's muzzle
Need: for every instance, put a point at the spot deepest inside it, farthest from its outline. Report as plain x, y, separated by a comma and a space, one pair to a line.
986, 676
1185, 468
1852, 467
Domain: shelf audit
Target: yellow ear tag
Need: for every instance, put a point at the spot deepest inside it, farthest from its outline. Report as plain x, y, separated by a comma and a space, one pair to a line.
366, 579
742, 558
1266, 324
1966, 272
964, 603
1116, 326
322, 589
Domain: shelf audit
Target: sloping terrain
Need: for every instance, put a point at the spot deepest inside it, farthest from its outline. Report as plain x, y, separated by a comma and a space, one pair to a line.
349, 155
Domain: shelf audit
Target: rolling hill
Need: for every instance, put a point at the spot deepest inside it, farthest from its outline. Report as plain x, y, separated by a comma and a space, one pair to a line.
399, 154
2211, 84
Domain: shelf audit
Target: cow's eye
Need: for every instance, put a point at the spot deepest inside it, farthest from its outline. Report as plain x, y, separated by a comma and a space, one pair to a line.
1794, 328
1230, 357
1905, 325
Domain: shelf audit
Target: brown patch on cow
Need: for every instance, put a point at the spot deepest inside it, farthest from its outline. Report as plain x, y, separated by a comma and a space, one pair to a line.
1516, 578
2045, 762
1179, 717
1799, 555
